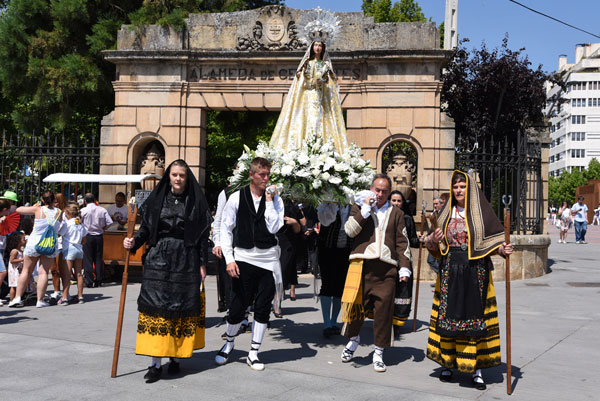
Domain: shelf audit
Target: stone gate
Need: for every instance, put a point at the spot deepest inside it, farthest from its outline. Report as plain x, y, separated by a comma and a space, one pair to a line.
388, 73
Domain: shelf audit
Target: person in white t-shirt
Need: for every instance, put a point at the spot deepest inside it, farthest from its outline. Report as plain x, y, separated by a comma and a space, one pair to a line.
73, 233
119, 211
579, 213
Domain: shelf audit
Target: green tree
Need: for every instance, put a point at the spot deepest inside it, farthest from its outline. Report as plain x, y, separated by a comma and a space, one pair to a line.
564, 187
402, 11
592, 172
51, 67
228, 132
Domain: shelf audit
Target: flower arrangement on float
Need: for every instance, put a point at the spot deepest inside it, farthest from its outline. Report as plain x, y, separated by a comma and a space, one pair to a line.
313, 174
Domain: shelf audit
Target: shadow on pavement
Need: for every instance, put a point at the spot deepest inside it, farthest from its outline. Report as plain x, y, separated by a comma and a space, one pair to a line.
9, 316
493, 375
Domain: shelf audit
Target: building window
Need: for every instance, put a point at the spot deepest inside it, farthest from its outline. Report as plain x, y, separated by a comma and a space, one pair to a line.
577, 119
577, 153
578, 136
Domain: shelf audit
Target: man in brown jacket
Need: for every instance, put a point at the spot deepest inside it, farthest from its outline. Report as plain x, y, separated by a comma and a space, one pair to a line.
380, 257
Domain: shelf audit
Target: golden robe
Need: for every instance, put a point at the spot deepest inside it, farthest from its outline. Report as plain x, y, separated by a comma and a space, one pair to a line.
312, 106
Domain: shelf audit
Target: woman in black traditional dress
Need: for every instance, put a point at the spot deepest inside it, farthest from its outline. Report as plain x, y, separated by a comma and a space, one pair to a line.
175, 226
464, 333
288, 239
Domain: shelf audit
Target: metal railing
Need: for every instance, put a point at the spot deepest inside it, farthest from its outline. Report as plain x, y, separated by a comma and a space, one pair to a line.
508, 167
26, 159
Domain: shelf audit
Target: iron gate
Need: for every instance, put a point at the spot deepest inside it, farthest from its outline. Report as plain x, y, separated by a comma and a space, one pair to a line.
25, 160
507, 168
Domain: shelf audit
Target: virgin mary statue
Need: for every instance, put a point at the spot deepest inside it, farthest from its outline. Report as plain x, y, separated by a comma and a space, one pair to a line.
312, 105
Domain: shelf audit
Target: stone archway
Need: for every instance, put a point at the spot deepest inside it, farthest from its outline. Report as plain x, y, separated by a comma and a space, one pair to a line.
400, 161
388, 75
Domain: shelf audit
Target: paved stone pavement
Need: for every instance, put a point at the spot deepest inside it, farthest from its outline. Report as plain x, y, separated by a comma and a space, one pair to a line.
65, 353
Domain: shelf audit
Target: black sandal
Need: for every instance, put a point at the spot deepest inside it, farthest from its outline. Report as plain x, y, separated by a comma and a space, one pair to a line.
478, 385
224, 355
446, 375
347, 355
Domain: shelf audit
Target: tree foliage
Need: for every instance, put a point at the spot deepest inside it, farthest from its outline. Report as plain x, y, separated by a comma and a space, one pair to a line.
228, 132
493, 93
564, 187
51, 67
402, 11
52, 74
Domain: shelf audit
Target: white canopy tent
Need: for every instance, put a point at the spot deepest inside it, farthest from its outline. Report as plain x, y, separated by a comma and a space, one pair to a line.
100, 178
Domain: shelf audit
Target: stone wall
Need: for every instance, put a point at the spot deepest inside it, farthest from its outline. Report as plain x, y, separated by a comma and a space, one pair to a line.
529, 260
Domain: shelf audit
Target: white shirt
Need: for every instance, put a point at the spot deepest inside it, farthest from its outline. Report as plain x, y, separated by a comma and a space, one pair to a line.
118, 213
365, 211
72, 232
221, 202
580, 212
264, 258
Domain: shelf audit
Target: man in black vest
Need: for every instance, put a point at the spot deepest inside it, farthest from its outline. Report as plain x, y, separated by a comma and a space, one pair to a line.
250, 220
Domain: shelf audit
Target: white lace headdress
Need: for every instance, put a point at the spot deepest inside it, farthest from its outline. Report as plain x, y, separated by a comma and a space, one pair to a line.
318, 25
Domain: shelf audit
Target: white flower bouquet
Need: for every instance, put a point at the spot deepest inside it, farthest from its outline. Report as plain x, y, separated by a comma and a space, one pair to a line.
313, 174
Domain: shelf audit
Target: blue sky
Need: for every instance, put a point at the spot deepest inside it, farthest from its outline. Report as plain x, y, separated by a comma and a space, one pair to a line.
488, 20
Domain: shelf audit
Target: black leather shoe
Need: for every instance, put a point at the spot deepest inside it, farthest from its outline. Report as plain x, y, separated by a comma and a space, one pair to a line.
153, 374
173, 368
446, 375
479, 385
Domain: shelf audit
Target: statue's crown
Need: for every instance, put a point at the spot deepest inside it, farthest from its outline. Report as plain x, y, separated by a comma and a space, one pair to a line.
319, 25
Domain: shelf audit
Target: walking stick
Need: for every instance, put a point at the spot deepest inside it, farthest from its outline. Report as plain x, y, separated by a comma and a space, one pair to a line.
507, 282
423, 207
130, 229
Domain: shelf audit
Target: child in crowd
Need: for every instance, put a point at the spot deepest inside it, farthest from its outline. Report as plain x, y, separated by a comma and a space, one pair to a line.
73, 233
16, 243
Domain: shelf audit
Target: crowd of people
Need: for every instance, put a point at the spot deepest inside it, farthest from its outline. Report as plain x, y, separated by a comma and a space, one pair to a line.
363, 259
575, 216
54, 238
361, 253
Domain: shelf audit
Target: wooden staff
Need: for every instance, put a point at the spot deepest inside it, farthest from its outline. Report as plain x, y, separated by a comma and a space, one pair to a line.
130, 228
423, 217
507, 282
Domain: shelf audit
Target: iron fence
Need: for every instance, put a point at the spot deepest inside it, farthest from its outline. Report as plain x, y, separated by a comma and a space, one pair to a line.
507, 167
26, 159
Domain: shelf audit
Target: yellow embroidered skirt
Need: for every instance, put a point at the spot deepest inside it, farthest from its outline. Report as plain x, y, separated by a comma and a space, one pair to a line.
176, 338
466, 354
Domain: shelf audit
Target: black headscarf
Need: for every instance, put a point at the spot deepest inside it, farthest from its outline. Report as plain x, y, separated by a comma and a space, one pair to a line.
404, 206
197, 213
409, 222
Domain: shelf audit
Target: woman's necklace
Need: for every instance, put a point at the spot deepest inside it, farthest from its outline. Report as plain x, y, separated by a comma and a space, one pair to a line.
177, 197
